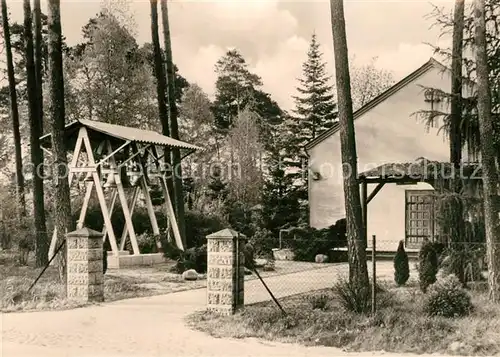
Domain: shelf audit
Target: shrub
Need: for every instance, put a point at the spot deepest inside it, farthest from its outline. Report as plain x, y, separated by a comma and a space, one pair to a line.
199, 225
192, 258
401, 266
353, 298
447, 298
170, 250
146, 243
249, 254
427, 265
319, 301
263, 243
464, 263
308, 242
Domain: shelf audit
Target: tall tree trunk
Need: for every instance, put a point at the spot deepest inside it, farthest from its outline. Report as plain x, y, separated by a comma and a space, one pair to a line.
358, 272
174, 129
457, 234
490, 175
42, 249
36, 151
456, 84
63, 220
161, 87
39, 61
14, 112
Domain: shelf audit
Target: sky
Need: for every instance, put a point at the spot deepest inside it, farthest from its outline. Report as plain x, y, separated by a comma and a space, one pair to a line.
274, 35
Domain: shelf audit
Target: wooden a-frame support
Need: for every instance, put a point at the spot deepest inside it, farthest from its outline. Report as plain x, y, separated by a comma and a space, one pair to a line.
83, 143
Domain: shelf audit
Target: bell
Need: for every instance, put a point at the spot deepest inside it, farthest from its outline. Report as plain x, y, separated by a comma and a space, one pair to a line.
124, 178
110, 182
135, 176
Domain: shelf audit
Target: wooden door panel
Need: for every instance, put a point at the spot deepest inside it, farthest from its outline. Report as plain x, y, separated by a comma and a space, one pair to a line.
419, 217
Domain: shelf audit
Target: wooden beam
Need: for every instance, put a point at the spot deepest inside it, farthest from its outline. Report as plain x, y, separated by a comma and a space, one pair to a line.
127, 215
101, 197
133, 203
82, 169
123, 200
88, 192
149, 204
76, 153
138, 152
114, 195
171, 213
112, 153
374, 192
364, 210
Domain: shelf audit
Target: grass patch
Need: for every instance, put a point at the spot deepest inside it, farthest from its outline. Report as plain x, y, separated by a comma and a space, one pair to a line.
400, 325
49, 293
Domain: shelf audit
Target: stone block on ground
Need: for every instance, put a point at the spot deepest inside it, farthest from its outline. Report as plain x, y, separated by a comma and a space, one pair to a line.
269, 266
190, 275
321, 258
260, 263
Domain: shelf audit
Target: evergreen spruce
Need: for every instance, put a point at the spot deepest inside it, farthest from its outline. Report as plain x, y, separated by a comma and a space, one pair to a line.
315, 109
401, 266
315, 112
280, 205
428, 264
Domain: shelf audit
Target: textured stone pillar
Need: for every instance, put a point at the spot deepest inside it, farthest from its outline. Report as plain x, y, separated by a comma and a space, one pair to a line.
85, 278
226, 271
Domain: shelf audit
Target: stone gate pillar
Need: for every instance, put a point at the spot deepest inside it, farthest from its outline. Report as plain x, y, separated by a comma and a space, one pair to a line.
225, 271
85, 278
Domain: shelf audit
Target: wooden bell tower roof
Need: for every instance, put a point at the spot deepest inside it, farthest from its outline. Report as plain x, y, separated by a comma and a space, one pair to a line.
119, 134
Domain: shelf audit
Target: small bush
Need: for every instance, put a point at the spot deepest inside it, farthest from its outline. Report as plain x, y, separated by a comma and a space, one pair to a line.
353, 298
192, 258
319, 301
263, 243
170, 250
146, 243
249, 253
428, 264
199, 225
464, 263
307, 242
401, 266
447, 298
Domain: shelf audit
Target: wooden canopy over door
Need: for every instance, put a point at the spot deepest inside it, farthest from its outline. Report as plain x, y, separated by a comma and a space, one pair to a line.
419, 217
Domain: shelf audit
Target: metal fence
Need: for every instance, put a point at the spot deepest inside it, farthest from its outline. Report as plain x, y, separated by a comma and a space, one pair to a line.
287, 279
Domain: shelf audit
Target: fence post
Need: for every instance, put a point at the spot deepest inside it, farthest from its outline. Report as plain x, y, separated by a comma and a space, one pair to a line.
374, 275
225, 271
85, 278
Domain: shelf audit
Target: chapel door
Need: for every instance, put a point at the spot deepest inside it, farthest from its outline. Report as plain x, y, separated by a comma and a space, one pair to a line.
419, 217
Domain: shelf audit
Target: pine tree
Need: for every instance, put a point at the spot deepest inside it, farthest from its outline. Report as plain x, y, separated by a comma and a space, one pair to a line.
280, 204
315, 112
358, 271
315, 107
401, 265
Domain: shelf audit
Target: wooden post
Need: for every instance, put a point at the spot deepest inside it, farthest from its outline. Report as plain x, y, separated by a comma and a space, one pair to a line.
114, 195
131, 209
374, 275
364, 209
129, 226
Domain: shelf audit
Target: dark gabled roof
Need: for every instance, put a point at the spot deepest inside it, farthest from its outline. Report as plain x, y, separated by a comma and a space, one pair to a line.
431, 63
